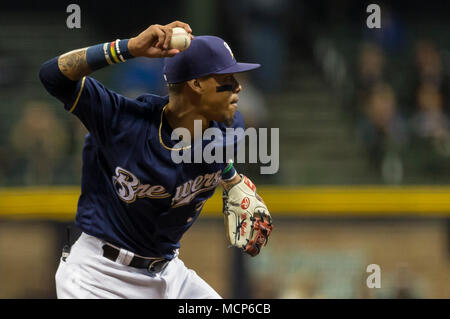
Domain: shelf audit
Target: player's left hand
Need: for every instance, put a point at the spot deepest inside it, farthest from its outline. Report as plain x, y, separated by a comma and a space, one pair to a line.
154, 41
247, 220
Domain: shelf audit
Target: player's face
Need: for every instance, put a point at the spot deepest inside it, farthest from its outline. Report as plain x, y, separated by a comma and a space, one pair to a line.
220, 106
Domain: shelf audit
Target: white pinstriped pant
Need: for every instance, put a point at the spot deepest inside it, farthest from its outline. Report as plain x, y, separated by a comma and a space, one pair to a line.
87, 274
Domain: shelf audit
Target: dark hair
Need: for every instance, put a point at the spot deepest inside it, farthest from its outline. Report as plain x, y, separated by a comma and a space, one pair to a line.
175, 88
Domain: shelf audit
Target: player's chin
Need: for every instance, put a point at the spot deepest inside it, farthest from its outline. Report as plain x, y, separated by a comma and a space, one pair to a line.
226, 114
229, 114
232, 109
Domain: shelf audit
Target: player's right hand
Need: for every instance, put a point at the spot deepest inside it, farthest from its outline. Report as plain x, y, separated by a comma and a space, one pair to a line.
154, 41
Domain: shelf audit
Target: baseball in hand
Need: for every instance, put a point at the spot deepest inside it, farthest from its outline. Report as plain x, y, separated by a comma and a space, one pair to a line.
180, 39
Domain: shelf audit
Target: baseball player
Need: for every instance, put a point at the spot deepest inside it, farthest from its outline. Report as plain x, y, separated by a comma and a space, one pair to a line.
135, 202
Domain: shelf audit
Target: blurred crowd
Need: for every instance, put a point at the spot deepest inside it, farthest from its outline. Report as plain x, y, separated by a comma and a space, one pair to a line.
40, 147
404, 128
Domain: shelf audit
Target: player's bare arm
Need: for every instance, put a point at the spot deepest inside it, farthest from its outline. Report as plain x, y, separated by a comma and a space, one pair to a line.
151, 43
73, 64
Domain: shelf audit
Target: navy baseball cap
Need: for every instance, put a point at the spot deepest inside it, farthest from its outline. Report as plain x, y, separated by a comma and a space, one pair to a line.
206, 55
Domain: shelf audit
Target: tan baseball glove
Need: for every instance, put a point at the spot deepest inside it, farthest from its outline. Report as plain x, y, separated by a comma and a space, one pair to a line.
248, 222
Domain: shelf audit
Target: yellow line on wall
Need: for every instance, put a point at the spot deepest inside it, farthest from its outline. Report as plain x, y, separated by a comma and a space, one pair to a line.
60, 203
32, 202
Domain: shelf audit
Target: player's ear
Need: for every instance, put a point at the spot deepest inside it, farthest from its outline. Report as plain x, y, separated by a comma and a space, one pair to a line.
195, 85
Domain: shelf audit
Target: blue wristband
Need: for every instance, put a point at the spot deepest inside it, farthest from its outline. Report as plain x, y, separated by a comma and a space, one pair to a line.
123, 47
108, 53
95, 57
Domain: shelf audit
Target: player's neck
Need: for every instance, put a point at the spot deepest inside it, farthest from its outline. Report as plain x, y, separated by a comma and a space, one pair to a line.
181, 113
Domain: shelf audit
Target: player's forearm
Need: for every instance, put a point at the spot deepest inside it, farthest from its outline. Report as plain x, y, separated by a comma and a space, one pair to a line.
74, 64
79, 63
61, 75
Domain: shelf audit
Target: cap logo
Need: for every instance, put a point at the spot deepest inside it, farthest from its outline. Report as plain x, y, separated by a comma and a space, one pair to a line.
229, 49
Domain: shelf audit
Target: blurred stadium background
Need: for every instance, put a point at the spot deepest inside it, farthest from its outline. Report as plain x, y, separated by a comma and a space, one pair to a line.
364, 142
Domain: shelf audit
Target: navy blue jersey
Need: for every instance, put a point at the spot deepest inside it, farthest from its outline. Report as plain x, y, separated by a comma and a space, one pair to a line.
132, 194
